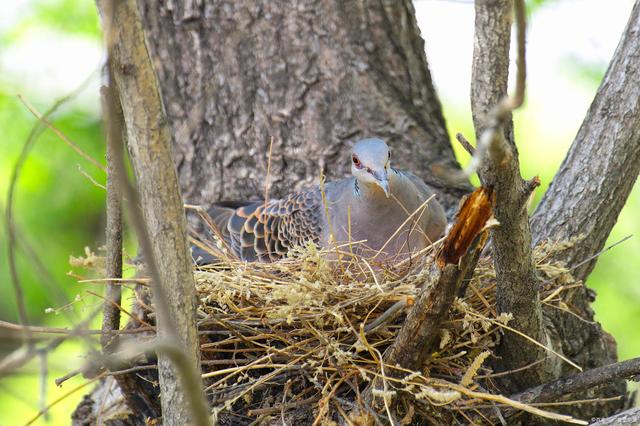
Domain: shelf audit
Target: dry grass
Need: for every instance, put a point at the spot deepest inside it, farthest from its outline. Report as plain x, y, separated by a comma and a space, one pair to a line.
306, 336
304, 333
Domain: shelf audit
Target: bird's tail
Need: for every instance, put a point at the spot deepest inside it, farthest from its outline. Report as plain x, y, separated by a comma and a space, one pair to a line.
220, 213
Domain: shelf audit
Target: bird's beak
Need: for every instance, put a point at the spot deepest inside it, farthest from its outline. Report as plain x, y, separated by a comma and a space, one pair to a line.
383, 182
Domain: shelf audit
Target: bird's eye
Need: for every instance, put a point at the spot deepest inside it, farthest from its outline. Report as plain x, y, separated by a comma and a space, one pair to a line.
356, 161
389, 155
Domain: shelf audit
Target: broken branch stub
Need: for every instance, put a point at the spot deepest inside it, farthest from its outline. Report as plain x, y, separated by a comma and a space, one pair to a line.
475, 212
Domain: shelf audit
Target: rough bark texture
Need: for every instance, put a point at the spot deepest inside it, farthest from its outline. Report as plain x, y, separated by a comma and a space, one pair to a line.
589, 191
490, 67
113, 234
555, 390
517, 288
314, 76
602, 165
149, 141
629, 417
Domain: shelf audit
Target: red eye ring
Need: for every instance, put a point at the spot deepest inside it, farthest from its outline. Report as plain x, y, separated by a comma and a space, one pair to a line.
356, 162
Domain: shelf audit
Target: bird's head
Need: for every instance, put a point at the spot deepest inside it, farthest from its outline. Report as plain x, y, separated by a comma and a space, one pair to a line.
370, 162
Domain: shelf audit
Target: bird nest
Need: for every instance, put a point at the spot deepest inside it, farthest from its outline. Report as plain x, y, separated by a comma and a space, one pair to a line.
302, 337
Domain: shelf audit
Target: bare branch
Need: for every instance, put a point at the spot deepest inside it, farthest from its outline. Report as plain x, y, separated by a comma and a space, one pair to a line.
465, 144
629, 417
43, 119
113, 268
596, 177
161, 216
24, 354
581, 381
517, 286
15, 175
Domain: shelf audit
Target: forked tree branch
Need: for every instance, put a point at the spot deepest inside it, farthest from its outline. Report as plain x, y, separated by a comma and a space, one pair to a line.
161, 217
598, 173
588, 193
517, 289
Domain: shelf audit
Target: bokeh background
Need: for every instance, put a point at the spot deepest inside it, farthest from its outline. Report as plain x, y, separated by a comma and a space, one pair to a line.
49, 48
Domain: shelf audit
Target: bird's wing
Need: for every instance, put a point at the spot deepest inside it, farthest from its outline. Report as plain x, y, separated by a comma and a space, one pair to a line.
435, 222
267, 231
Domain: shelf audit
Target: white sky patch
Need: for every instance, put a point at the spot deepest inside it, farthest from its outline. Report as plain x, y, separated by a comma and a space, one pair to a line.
46, 64
585, 30
11, 11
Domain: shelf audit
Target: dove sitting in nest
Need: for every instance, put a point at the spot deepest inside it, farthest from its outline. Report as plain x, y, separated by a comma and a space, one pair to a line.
379, 212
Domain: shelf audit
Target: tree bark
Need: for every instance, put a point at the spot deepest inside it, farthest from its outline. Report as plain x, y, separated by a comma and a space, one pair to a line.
517, 289
597, 175
587, 194
314, 76
163, 222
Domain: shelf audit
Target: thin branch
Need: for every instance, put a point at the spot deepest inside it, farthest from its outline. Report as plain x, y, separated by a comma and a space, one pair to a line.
629, 417
91, 179
113, 267
75, 331
43, 118
466, 144
24, 354
62, 398
492, 108
581, 381
35, 132
157, 211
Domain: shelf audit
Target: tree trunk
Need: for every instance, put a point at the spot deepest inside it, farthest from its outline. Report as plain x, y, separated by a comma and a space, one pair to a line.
309, 78
312, 76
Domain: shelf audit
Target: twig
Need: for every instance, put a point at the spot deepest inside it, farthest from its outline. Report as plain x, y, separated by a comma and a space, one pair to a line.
506, 373
466, 144
60, 380
61, 398
44, 374
35, 132
159, 211
119, 308
590, 258
587, 379
34, 329
25, 354
113, 261
90, 178
287, 406
62, 136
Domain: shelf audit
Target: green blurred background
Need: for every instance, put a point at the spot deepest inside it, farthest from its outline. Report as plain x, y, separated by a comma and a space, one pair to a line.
48, 48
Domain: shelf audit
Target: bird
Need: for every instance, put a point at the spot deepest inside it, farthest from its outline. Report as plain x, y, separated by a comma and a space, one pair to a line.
379, 212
